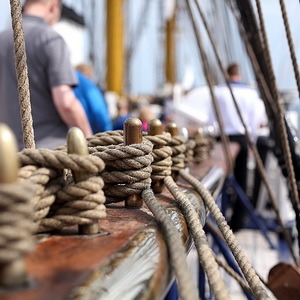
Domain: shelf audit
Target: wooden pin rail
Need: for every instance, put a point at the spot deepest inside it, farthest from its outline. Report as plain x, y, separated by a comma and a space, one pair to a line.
128, 259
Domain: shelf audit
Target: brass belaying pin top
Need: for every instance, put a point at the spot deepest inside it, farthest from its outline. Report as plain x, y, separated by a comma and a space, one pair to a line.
155, 127
9, 165
133, 135
172, 129
133, 131
77, 145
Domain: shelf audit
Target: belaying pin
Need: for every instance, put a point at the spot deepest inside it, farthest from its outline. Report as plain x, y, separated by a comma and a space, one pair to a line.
77, 145
156, 128
133, 135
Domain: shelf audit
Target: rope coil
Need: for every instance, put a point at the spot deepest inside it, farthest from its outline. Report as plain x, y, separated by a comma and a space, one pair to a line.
128, 169
16, 224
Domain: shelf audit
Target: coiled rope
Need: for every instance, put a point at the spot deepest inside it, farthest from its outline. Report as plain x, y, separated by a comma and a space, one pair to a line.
58, 202
128, 169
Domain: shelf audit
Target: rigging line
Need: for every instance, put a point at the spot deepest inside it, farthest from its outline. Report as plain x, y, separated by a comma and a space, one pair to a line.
206, 70
282, 128
291, 44
205, 253
250, 274
22, 74
249, 139
266, 91
187, 288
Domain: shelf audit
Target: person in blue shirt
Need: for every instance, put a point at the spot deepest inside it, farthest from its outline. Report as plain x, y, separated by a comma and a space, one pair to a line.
93, 102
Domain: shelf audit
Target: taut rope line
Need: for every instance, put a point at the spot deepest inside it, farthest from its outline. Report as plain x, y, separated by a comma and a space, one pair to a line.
22, 74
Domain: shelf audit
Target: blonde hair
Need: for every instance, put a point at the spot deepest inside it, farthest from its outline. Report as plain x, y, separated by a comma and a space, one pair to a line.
86, 69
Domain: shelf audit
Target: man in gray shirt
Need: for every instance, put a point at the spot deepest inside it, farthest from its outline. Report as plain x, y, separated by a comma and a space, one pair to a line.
51, 77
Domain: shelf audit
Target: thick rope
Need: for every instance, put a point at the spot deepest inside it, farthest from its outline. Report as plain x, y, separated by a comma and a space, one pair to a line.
233, 274
45, 189
205, 253
22, 74
78, 204
128, 169
291, 44
202, 148
16, 225
56, 207
106, 138
190, 152
162, 161
285, 148
60, 160
178, 147
242, 260
176, 249
210, 82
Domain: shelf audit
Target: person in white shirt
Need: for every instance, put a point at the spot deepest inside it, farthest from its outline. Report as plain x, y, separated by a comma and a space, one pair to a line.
254, 116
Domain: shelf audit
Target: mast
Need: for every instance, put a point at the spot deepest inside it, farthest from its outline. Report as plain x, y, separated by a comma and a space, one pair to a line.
115, 46
170, 67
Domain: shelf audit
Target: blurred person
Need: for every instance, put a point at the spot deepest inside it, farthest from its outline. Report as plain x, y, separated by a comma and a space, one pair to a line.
254, 116
93, 100
122, 115
145, 115
51, 77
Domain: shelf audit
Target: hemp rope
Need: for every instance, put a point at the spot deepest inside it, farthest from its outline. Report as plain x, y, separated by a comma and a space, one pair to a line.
79, 204
45, 189
22, 74
239, 278
233, 274
73, 204
242, 260
260, 165
128, 169
210, 82
290, 43
187, 288
272, 115
16, 225
162, 161
284, 143
178, 147
202, 148
190, 152
205, 253
106, 138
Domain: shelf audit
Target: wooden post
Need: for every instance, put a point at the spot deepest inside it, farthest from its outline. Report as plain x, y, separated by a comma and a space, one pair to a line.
77, 145
170, 67
133, 135
156, 128
115, 59
13, 274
